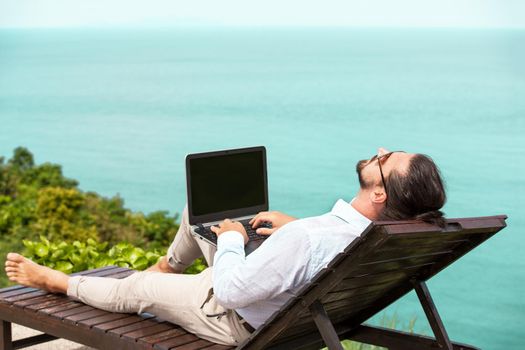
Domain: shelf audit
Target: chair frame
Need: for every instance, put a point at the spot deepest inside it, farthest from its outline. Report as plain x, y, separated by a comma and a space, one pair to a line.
319, 315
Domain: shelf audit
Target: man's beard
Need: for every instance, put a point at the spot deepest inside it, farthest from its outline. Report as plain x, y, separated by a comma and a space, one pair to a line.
359, 169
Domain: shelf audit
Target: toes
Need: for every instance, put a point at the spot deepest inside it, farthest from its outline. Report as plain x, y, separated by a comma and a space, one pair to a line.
10, 264
11, 269
15, 257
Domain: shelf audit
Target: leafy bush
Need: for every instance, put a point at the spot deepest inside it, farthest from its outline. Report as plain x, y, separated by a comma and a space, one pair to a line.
79, 256
38, 200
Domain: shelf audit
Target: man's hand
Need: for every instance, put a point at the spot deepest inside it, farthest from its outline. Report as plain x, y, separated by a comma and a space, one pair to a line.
228, 225
276, 218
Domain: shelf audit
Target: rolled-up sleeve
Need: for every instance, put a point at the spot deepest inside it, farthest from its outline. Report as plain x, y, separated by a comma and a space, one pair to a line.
239, 281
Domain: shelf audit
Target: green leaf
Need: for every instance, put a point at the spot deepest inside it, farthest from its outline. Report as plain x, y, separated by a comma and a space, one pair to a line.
93, 254
75, 259
44, 240
136, 254
152, 257
140, 264
64, 266
41, 250
58, 254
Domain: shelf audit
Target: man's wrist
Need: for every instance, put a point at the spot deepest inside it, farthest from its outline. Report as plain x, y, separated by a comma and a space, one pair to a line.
230, 238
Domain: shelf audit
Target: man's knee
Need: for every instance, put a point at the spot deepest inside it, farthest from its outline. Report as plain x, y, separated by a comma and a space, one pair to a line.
131, 293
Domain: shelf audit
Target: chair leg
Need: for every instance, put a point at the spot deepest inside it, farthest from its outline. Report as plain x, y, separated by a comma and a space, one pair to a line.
6, 340
325, 326
432, 314
394, 339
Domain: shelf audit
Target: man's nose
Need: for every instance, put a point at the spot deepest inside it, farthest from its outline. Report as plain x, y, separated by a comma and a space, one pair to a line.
381, 151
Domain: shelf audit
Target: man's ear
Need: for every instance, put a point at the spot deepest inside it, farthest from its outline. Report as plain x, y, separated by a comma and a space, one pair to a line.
378, 195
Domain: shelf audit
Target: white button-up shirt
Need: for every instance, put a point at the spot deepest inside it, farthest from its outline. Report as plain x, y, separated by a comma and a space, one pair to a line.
259, 284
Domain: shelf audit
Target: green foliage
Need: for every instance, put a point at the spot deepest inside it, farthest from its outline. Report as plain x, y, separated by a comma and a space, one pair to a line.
79, 256
198, 266
22, 159
38, 200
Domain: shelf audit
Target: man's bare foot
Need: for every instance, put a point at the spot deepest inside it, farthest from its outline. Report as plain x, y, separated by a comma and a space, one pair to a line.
24, 271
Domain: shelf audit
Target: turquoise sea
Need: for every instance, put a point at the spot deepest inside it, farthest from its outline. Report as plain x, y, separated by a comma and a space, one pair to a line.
120, 109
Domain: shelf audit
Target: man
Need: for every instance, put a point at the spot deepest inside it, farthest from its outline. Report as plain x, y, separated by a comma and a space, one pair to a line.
236, 293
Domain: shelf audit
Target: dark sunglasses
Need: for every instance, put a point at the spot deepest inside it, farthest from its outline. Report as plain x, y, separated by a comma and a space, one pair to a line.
381, 159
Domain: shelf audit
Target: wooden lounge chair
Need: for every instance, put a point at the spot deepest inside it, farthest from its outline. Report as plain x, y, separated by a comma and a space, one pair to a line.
389, 260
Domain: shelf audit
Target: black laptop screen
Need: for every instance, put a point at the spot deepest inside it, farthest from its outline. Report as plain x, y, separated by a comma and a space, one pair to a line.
227, 182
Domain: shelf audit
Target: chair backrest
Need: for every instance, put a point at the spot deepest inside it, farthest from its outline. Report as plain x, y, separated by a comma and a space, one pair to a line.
374, 271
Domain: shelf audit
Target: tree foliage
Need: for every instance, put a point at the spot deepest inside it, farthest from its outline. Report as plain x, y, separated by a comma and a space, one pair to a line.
38, 200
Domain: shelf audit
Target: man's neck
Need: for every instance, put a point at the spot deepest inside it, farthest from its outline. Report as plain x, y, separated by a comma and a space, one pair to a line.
362, 204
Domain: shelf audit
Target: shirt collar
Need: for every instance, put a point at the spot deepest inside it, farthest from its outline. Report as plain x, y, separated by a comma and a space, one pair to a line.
346, 212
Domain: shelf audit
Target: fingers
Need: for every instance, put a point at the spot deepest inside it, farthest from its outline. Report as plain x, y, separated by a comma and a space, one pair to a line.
224, 226
265, 231
256, 216
261, 217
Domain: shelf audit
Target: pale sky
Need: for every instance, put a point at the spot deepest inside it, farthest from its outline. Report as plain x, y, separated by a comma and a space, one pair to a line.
353, 13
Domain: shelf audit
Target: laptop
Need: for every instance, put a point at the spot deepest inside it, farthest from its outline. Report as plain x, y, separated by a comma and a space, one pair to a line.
227, 184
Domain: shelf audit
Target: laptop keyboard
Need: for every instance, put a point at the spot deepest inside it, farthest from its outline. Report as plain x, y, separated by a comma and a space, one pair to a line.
207, 233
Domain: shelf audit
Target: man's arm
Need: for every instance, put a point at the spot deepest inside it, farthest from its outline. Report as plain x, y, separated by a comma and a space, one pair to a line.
277, 266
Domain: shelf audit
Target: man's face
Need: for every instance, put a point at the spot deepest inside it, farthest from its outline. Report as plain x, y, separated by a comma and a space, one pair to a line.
368, 170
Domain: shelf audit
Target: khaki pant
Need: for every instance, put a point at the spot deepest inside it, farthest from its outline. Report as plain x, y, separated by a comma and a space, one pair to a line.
185, 300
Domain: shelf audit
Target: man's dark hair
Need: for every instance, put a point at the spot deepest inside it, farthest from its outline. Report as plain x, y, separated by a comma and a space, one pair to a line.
419, 194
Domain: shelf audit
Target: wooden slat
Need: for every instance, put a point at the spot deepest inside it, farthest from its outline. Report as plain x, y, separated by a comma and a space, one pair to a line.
375, 278
196, 345
36, 300
219, 347
162, 336
85, 315
144, 332
391, 267
389, 252
31, 295
11, 288
406, 260
398, 244
60, 307
49, 303
15, 292
363, 283
176, 341
118, 332
104, 327
69, 312
102, 319
358, 292
18, 290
